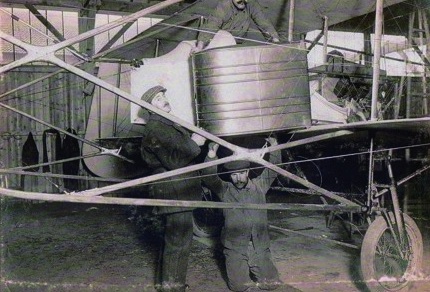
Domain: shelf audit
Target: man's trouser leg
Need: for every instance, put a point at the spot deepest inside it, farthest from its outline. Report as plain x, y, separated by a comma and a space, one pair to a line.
236, 262
263, 268
178, 237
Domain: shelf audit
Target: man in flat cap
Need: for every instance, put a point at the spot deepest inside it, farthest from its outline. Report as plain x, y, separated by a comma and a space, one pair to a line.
167, 146
245, 235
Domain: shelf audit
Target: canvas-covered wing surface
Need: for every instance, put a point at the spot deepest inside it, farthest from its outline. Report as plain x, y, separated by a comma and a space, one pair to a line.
184, 24
353, 138
404, 125
388, 133
162, 37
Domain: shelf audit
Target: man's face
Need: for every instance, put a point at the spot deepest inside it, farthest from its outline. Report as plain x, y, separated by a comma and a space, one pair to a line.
240, 4
239, 179
160, 101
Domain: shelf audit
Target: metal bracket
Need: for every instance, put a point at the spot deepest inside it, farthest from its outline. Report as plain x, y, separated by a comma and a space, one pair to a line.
115, 152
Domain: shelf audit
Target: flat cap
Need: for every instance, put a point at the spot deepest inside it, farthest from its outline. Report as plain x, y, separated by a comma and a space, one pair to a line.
150, 93
237, 165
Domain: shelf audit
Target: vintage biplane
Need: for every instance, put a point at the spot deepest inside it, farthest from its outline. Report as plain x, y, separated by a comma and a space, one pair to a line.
236, 95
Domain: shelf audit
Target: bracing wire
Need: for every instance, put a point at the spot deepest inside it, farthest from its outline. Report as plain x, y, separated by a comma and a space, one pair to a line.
306, 160
200, 30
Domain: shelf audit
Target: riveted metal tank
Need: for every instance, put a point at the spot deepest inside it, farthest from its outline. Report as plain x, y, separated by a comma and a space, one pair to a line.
251, 89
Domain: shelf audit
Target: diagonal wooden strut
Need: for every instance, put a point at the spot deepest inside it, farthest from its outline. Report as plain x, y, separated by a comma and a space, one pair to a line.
35, 52
250, 155
73, 198
48, 55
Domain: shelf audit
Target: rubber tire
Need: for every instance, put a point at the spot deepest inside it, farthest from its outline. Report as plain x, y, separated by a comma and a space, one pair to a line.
200, 229
368, 253
207, 222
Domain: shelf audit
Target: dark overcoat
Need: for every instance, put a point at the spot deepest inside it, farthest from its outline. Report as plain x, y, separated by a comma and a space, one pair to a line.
167, 146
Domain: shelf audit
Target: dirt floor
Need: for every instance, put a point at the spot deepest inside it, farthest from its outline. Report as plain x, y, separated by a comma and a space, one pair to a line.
80, 247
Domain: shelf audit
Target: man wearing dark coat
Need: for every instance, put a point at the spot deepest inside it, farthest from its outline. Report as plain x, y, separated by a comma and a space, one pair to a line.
236, 17
167, 146
245, 234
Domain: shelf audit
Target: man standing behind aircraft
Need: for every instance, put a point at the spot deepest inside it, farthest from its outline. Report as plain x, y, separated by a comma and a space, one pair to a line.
236, 16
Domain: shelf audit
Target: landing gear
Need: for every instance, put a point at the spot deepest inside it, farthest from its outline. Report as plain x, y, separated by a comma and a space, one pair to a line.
392, 249
388, 259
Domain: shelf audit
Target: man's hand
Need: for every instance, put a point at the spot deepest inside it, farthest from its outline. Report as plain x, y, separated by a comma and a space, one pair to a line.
136, 63
199, 47
200, 140
272, 141
213, 148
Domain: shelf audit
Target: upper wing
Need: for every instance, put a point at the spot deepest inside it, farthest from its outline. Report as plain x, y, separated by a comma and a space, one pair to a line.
308, 16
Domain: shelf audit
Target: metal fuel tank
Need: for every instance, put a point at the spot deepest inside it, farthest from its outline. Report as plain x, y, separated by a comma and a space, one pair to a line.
242, 90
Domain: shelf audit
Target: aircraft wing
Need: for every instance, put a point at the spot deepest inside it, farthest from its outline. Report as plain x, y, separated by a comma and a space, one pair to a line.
184, 24
413, 132
413, 125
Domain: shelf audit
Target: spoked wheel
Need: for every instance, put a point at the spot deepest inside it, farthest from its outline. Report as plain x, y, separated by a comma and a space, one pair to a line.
383, 262
207, 222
